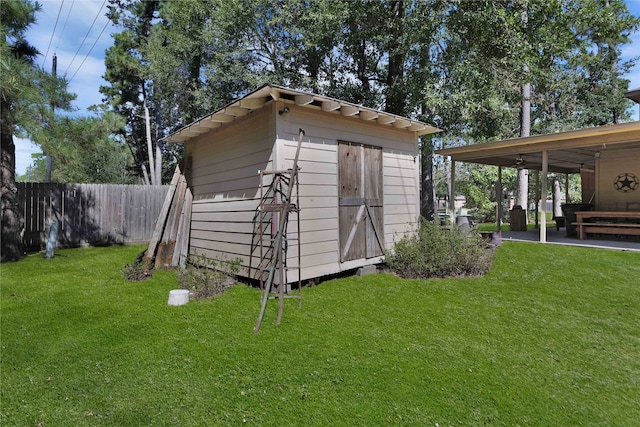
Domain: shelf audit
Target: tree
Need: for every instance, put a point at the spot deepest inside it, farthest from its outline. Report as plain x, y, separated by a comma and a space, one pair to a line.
131, 92
84, 149
506, 60
474, 69
26, 93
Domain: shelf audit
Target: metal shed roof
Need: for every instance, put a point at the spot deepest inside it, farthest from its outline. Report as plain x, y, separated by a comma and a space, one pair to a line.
261, 96
567, 151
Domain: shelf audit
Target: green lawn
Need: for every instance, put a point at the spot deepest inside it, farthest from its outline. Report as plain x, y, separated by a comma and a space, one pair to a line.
551, 337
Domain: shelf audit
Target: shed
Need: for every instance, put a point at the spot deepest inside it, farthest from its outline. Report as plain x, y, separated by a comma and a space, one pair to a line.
351, 157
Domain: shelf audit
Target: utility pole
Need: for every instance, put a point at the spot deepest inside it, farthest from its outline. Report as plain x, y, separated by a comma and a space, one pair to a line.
54, 72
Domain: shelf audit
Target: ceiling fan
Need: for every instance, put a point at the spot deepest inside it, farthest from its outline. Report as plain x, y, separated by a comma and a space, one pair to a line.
519, 162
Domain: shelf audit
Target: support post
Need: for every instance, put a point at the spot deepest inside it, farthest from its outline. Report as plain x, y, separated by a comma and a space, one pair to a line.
566, 188
499, 212
452, 194
537, 201
545, 170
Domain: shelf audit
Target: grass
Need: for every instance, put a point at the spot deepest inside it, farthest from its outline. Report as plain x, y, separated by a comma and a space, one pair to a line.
551, 336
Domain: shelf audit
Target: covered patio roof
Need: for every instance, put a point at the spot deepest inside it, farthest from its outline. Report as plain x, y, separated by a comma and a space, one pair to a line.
634, 95
567, 152
562, 152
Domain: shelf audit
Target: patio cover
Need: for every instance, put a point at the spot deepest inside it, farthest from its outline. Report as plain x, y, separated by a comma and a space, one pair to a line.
562, 152
634, 95
567, 152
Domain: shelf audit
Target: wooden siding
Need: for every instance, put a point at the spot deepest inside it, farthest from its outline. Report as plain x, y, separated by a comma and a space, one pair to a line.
225, 183
88, 213
319, 183
611, 166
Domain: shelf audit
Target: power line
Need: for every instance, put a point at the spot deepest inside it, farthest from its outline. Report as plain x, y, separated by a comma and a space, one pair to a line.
64, 27
85, 37
88, 53
52, 34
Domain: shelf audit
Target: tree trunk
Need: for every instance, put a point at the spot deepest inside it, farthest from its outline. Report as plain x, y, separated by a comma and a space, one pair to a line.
138, 155
525, 130
428, 199
147, 125
158, 163
11, 243
557, 207
395, 99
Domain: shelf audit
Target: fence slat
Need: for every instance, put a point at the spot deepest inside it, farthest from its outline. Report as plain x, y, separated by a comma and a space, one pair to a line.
88, 213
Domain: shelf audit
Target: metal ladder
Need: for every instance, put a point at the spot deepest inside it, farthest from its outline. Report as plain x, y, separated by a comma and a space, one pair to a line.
270, 242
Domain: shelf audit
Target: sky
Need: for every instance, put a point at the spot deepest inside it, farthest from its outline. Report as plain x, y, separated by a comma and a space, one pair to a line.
78, 32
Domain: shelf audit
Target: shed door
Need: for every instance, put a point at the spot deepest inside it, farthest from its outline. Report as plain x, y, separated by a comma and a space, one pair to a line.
360, 200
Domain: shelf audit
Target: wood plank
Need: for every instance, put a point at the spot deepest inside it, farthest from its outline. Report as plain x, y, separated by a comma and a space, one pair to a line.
350, 170
217, 236
352, 233
606, 230
307, 178
373, 190
162, 217
225, 205
352, 229
182, 242
223, 216
224, 226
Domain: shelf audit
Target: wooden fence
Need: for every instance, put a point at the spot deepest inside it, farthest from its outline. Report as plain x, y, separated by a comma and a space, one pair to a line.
88, 214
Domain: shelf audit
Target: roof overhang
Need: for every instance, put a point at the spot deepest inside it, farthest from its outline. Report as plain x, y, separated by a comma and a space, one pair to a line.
267, 93
634, 95
567, 152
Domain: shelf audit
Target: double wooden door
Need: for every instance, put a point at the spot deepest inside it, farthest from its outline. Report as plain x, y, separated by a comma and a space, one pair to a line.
360, 192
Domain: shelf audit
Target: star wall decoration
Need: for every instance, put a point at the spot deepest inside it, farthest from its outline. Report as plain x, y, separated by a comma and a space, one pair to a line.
626, 182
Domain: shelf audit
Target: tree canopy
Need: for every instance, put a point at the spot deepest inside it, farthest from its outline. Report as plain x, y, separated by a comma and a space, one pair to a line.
460, 65
26, 96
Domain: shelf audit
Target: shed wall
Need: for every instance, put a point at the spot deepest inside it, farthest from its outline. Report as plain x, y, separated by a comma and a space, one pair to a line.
318, 164
225, 183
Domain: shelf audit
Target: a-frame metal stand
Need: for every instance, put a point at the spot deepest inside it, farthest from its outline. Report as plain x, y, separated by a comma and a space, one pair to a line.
270, 242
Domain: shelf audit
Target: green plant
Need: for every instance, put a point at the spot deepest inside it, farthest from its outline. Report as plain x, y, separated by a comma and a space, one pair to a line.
437, 252
205, 276
138, 270
134, 272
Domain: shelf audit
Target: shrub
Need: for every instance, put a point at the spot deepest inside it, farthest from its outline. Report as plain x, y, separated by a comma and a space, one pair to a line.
138, 270
437, 252
205, 277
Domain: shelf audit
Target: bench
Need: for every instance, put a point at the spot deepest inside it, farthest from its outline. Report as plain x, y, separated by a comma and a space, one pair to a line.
603, 222
606, 228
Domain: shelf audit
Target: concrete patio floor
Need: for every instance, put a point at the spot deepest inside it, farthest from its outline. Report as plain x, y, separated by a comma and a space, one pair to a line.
559, 237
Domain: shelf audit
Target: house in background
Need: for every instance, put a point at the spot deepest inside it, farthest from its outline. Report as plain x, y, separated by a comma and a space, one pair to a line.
359, 187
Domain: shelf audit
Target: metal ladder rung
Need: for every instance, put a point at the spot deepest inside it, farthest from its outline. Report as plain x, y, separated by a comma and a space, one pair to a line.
285, 297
